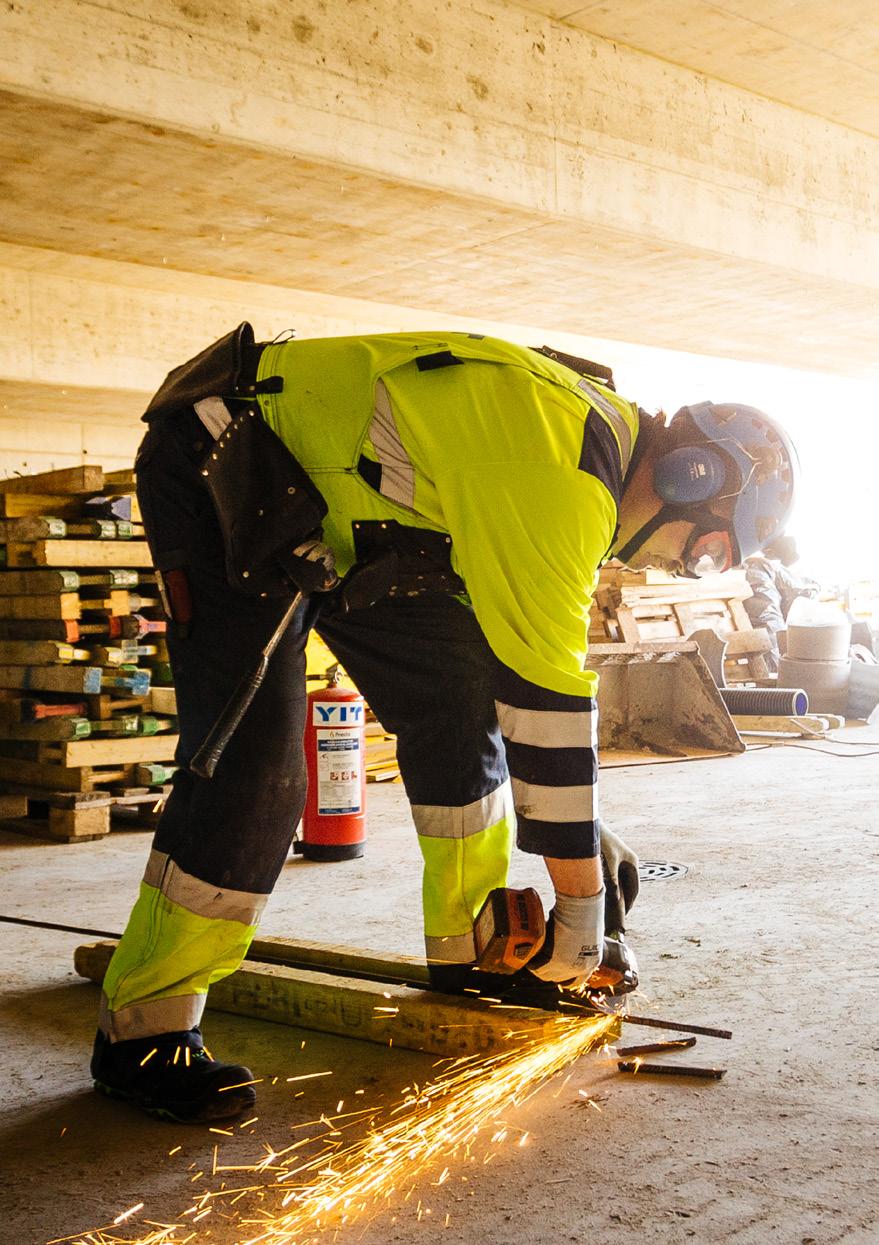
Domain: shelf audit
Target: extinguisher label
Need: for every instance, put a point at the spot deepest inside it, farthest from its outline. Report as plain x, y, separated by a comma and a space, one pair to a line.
339, 767
337, 713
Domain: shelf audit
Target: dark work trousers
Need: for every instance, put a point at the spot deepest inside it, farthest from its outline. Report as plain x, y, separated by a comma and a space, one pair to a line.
424, 667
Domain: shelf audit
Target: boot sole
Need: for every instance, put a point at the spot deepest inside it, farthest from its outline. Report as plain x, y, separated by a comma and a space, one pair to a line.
238, 1103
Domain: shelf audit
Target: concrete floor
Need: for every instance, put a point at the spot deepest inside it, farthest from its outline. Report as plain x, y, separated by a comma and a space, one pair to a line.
769, 933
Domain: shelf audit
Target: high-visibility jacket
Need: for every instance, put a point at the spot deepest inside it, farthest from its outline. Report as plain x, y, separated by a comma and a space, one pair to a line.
521, 462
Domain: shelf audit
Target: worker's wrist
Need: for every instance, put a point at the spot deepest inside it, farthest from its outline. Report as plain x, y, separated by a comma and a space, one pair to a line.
575, 878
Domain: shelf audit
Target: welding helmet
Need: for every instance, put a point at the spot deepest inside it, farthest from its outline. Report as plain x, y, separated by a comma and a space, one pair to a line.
728, 454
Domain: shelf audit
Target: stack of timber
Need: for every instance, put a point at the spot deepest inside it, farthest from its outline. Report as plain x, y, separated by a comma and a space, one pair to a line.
87, 713
631, 607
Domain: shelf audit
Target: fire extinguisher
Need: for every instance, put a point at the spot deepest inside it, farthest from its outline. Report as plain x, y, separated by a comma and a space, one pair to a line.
334, 822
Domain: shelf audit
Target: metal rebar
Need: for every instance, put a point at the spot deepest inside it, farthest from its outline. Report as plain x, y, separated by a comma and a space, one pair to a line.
670, 1069
652, 1048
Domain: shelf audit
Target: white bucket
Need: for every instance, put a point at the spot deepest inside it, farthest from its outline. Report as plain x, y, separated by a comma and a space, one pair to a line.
828, 642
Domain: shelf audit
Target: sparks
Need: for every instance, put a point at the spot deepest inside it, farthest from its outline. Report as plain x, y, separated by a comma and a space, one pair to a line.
438, 1127
126, 1214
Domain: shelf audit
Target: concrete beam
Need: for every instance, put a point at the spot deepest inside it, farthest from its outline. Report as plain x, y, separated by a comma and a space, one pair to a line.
487, 161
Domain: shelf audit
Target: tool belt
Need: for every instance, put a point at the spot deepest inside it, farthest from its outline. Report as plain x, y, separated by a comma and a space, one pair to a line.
394, 560
267, 506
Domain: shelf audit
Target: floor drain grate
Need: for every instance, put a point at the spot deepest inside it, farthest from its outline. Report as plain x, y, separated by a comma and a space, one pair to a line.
659, 870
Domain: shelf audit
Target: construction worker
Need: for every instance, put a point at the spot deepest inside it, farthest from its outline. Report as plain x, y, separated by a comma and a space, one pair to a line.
775, 588
468, 490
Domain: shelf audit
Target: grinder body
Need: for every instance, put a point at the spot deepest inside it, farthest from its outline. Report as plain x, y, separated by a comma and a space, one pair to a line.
511, 928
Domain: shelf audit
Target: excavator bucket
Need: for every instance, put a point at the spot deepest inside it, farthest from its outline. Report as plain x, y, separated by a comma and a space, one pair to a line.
657, 701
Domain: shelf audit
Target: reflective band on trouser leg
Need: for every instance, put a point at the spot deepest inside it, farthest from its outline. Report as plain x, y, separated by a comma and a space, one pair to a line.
175, 946
466, 854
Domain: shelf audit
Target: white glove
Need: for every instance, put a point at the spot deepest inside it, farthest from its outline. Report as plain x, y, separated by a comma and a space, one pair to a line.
574, 940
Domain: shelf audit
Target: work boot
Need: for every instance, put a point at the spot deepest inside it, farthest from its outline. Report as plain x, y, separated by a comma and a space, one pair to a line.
173, 1077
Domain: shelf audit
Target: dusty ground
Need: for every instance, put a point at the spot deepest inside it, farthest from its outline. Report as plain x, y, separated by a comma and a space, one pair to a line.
770, 933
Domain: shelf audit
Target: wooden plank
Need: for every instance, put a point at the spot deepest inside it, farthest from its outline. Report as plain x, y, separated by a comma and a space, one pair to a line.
56, 778
84, 479
84, 679
79, 823
657, 629
686, 617
37, 653
37, 583
807, 725
162, 700
60, 505
679, 645
91, 752
13, 805
740, 617
628, 626
63, 630
381, 1012
75, 553
124, 481
62, 605
63, 825
32, 527
52, 729
303, 953
746, 643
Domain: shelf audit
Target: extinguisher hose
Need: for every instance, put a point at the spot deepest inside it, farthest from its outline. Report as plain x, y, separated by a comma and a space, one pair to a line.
205, 761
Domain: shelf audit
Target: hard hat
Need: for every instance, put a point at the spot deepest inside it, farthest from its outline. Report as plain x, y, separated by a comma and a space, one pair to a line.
720, 453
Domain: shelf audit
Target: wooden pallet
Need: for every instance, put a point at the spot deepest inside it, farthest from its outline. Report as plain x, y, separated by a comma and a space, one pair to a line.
633, 607
78, 816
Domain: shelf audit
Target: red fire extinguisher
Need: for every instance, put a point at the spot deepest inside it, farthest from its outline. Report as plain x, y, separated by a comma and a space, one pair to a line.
334, 822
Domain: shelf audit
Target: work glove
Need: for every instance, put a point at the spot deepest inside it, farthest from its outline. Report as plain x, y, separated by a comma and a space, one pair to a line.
620, 868
574, 937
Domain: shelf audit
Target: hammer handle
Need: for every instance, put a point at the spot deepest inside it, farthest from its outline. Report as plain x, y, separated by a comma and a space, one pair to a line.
205, 761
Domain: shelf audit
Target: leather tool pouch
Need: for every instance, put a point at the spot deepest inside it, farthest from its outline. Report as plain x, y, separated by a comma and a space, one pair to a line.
226, 369
398, 561
266, 505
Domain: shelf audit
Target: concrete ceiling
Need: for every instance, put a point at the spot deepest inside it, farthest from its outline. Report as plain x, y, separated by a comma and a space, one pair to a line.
814, 56
390, 155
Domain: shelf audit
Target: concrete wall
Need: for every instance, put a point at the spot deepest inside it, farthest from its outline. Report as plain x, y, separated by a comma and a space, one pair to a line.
173, 166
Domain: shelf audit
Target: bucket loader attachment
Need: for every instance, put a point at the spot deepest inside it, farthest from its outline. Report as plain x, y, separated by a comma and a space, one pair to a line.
657, 701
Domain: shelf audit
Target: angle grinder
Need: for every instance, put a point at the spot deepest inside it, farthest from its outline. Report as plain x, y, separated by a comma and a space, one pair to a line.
511, 928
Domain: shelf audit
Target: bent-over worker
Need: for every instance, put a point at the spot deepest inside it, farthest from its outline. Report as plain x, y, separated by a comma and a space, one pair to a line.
469, 490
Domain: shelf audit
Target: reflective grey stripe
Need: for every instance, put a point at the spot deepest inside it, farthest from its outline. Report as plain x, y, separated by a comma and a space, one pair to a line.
214, 414
145, 1019
441, 821
548, 728
456, 949
554, 803
398, 474
613, 417
217, 903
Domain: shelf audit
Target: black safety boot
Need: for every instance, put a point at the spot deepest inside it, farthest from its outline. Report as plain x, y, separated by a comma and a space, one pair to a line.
172, 1077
